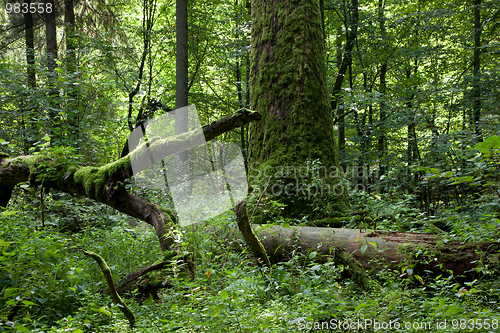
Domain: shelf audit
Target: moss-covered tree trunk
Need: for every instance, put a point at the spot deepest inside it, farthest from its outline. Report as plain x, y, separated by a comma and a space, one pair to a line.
292, 150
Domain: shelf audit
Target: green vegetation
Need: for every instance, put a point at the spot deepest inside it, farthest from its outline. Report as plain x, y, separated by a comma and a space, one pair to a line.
393, 104
52, 287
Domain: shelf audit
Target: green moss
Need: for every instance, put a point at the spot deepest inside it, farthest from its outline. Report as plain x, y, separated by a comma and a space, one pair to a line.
334, 222
93, 179
168, 212
29, 162
425, 252
289, 90
356, 271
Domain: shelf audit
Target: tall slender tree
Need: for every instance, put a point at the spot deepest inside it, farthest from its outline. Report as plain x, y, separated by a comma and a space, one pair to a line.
71, 108
51, 40
181, 67
476, 102
350, 20
382, 139
30, 46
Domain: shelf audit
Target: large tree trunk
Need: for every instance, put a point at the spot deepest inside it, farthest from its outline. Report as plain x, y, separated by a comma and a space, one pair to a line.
374, 250
105, 184
288, 88
51, 37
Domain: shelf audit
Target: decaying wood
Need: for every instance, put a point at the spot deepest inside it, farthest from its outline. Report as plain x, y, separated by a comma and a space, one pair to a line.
375, 250
124, 283
106, 271
182, 262
248, 235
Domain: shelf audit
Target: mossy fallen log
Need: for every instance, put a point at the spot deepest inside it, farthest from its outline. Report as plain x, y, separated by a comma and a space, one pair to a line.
335, 222
374, 250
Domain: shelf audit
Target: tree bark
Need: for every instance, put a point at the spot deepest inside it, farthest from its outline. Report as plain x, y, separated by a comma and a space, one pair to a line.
288, 88
51, 39
394, 249
30, 47
106, 271
413, 153
248, 235
31, 75
351, 36
73, 117
382, 139
476, 72
181, 72
69, 29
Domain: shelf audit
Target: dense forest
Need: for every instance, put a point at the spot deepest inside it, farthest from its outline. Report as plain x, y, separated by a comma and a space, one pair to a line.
249, 166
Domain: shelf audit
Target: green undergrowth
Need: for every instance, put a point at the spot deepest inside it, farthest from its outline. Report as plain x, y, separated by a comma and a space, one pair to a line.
47, 285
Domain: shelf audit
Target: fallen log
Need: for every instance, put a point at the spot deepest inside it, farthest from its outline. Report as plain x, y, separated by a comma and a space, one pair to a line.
340, 256
424, 253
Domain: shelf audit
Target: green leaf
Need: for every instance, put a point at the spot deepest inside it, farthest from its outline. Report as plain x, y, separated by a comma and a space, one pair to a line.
108, 313
217, 310
10, 212
9, 292
363, 249
361, 305
21, 328
491, 143
42, 300
374, 244
312, 255
453, 309
223, 294
447, 174
28, 303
